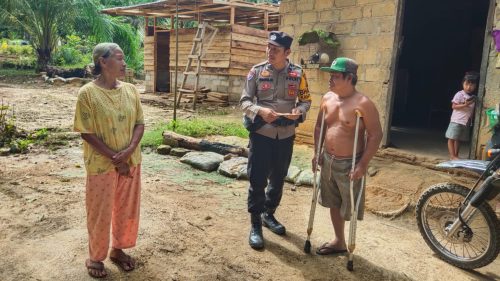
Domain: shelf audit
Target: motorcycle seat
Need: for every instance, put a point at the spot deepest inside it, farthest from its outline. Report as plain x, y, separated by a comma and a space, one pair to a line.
472, 165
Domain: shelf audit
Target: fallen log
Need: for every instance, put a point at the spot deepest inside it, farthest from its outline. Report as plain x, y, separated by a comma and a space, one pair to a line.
203, 145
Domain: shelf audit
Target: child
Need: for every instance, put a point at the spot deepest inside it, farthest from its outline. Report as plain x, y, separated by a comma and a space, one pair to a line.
463, 106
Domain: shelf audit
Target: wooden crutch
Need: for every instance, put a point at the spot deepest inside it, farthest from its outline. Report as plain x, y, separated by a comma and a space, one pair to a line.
354, 204
316, 186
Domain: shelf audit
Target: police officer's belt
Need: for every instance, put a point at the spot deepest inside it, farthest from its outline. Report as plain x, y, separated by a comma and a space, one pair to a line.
258, 122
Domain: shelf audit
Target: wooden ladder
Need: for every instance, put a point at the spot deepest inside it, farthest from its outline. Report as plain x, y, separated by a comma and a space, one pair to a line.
202, 41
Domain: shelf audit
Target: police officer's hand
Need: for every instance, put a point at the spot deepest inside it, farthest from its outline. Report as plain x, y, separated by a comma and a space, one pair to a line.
268, 114
297, 112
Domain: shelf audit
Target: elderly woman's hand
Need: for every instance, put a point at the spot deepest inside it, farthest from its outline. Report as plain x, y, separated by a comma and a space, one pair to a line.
122, 156
123, 169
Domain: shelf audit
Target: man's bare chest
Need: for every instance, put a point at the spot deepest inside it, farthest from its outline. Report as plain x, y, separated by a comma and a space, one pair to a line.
338, 115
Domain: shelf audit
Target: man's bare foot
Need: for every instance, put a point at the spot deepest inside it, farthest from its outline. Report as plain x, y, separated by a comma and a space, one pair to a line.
332, 247
336, 244
95, 269
454, 158
124, 261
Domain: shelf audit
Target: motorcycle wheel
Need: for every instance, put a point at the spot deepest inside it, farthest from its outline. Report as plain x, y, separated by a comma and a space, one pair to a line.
437, 209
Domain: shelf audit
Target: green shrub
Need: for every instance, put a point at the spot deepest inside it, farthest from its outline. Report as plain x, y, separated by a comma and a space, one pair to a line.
8, 129
20, 56
75, 52
23, 62
16, 50
67, 55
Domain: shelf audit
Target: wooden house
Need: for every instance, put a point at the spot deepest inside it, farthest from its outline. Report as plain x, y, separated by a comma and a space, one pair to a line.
239, 43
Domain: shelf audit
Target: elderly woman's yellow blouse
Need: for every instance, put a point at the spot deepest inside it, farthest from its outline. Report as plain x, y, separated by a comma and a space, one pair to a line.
111, 115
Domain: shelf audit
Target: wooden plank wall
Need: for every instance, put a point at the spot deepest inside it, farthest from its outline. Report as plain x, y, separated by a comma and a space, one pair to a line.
216, 59
248, 47
234, 51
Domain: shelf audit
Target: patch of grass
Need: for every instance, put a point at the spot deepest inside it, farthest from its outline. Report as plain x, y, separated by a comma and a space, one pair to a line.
13, 72
23, 144
220, 111
154, 137
194, 128
39, 134
207, 127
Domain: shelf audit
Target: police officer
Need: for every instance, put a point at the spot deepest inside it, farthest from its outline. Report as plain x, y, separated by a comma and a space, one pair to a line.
276, 97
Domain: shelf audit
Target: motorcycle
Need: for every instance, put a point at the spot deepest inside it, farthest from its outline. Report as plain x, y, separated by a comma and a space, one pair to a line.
458, 223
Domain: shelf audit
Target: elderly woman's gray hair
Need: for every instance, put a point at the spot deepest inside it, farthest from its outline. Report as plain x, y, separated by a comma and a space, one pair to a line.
102, 50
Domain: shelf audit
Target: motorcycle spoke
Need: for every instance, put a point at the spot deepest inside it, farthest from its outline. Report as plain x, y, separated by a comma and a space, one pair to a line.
477, 252
454, 250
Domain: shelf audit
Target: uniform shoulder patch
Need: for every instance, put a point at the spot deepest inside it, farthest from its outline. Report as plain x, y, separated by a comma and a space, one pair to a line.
295, 66
251, 74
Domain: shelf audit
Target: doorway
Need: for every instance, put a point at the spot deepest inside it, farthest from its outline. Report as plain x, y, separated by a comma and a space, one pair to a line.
440, 41
162, 82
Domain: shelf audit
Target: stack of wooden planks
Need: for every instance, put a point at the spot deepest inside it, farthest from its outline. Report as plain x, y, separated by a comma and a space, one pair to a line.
212, 98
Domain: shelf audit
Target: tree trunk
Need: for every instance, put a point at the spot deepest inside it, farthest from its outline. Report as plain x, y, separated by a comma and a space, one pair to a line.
44, 55
203, 145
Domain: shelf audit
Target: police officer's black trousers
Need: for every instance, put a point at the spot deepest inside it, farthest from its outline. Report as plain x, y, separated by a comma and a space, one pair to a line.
268, 161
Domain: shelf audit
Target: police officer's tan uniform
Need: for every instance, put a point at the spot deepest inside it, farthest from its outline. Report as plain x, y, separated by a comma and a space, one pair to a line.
279, 90
271, 145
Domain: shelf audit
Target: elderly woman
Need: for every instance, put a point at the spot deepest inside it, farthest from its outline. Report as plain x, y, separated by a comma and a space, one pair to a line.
110, 119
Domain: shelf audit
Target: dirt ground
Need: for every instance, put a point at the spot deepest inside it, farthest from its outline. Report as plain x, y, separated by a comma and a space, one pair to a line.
194, 225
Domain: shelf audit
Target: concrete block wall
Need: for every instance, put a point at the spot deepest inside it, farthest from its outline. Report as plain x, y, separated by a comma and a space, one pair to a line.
365, 29
492, 85
149, 81
230, 84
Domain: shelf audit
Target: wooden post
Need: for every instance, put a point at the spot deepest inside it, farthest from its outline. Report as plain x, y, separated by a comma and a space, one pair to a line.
474, 144
146, 23
155, 59
233, 12
171, 22
154, 25
266, 20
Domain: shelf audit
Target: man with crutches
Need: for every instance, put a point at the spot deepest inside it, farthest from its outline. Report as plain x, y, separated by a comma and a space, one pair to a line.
350, 137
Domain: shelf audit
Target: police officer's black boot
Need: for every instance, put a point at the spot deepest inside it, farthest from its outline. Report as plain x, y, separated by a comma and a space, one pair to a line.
269, 221
256, 240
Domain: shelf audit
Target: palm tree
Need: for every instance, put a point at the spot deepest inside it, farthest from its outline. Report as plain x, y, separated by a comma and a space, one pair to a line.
42, 20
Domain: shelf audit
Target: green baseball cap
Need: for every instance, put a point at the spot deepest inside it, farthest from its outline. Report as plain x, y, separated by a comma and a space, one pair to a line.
342, 65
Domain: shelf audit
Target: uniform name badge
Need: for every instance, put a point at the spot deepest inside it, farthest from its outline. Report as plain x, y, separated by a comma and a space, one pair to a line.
266, 86
293, 74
